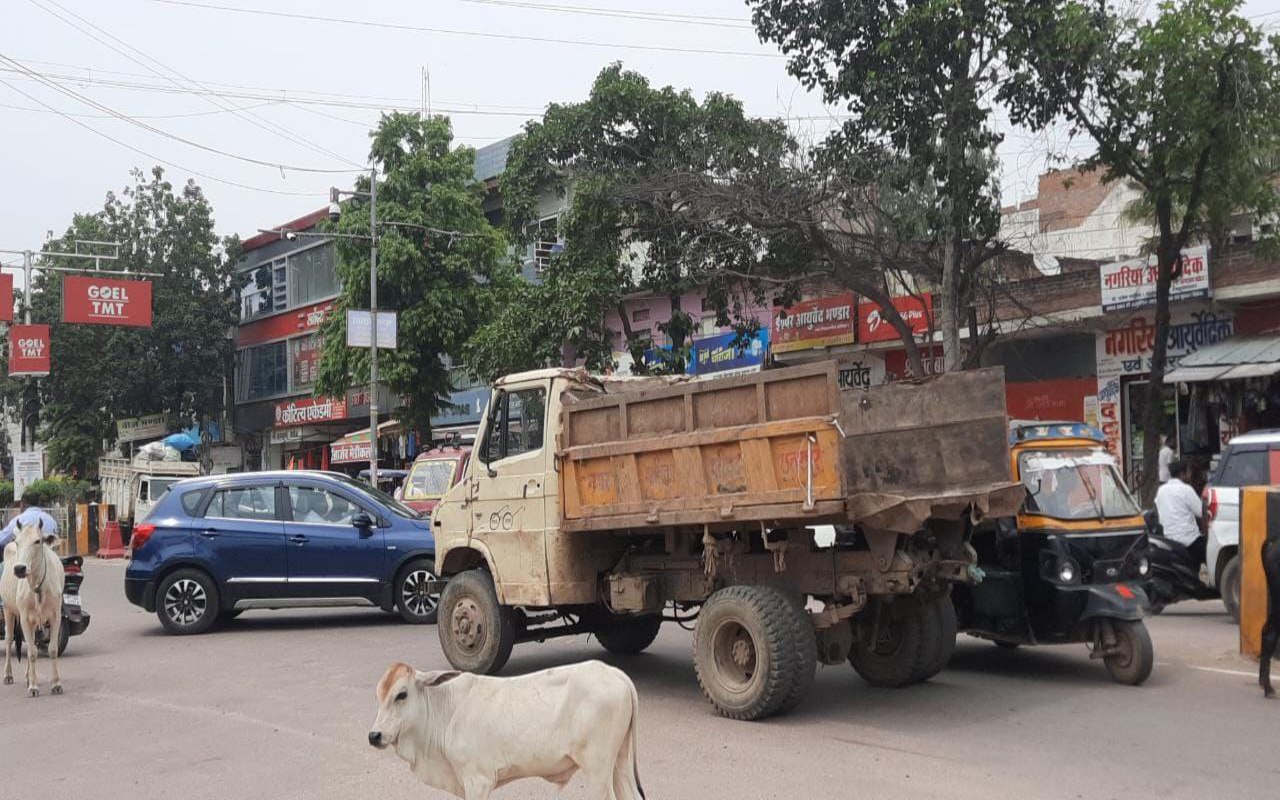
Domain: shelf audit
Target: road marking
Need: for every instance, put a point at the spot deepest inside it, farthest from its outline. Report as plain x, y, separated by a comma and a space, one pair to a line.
1225, 671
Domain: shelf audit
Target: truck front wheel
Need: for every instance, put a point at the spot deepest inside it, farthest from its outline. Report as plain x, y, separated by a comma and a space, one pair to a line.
476, 631
748, 653
897, 643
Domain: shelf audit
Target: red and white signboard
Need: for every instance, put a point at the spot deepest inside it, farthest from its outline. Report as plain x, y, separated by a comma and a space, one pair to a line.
873, 327
6, 297
349, 452
106, 301
28, 350
821, 322
310, 410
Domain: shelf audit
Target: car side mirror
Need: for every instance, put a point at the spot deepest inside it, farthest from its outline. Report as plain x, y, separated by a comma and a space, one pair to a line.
362, 521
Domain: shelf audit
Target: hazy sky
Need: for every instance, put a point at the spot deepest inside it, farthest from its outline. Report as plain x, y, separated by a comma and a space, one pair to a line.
145, 58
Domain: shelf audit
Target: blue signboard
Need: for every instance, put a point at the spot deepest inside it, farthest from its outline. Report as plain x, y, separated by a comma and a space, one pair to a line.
725, 352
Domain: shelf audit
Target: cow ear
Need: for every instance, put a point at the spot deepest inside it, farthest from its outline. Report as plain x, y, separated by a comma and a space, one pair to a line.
51, 539
426, 679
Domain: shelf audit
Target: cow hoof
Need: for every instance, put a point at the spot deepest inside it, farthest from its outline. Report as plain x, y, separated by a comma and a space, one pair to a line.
8, 680
35, 692
56, 690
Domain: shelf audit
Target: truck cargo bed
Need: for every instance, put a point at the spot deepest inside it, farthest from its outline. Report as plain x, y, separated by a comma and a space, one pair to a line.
785, 448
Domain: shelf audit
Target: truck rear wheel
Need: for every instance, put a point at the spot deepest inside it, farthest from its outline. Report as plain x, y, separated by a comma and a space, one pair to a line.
750, 656
902, 648
628, 635
476, 631
944, 643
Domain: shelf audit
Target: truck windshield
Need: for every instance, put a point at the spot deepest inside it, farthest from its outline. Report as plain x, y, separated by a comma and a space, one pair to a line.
159, 486
1074, 485
429, 480
392, 504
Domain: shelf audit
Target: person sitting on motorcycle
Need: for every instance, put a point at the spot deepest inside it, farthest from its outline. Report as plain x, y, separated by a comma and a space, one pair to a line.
1182, 512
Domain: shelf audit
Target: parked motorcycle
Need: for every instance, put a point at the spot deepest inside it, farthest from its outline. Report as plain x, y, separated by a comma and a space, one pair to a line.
75, 620
1175, 573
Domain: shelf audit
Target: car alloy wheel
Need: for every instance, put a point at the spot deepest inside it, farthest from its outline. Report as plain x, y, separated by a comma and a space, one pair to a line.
186, 602
414, 595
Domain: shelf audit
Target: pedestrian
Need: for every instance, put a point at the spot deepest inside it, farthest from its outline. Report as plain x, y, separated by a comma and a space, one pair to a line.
1165, 458
1181, 510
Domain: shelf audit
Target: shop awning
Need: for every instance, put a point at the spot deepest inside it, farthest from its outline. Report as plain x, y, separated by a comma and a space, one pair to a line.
384, 428
1236, 358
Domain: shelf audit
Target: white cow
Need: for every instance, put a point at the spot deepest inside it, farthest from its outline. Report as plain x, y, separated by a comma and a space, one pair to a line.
31, 590
470, 734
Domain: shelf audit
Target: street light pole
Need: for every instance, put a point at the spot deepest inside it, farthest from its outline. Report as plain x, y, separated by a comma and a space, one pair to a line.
373, 317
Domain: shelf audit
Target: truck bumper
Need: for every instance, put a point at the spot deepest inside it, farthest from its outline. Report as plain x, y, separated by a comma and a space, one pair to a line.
141, 593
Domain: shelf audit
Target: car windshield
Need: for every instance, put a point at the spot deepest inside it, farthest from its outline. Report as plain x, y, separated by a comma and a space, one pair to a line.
392, 504
1074, 485
429, 480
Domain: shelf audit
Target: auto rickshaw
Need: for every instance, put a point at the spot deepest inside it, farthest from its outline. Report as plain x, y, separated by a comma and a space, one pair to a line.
1069, 567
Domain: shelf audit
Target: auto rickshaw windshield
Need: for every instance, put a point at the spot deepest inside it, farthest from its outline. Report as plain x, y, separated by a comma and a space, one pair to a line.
1074, 485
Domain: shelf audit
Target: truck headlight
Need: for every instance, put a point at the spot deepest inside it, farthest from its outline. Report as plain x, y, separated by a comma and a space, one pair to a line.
1068, 571
1144, 566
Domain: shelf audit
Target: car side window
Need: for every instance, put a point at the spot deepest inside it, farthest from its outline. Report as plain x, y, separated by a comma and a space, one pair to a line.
191, 501
243, 502
318, 506
1245, 468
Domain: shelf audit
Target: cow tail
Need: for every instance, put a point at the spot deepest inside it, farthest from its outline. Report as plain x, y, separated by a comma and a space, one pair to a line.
624, 785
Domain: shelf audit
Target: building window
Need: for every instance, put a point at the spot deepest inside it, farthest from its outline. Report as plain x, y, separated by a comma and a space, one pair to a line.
313, 275
262, 371
640, 315
546, 243
265, 290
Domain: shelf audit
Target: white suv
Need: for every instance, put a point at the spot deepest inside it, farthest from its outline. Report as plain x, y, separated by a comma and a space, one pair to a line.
1252, 459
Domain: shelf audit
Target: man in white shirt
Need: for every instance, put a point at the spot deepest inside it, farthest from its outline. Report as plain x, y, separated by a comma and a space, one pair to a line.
1182, 511
1165, 458
28, 514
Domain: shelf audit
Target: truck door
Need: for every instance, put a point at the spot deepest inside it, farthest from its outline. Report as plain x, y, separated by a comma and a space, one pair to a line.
508, 492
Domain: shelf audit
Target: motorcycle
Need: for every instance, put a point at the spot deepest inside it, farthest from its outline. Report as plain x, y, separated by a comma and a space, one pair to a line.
1175, 573
75, 620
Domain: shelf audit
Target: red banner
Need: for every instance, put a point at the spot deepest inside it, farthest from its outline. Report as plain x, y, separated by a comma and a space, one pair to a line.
280, 326
310, 410
821, 322
873, 327
897, 368
28, 350
6, 297
106, 301
1058, 399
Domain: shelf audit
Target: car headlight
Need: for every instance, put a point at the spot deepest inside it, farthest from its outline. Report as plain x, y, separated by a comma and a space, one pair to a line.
1067, 571
1144, 566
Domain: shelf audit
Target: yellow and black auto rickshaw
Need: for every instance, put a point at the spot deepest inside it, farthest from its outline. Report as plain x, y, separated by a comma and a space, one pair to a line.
1069, 567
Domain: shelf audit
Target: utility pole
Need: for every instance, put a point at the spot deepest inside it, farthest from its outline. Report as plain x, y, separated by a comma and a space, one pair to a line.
373, 317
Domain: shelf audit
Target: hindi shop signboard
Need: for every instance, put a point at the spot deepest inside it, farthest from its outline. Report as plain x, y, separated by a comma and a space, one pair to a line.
28, 350
310, 410
106, 301
1132, 284
349, 452
152, 426
873, 327
723, 354
821, 322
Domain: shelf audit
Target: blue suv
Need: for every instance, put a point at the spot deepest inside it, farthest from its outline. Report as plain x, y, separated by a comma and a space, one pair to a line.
215, 546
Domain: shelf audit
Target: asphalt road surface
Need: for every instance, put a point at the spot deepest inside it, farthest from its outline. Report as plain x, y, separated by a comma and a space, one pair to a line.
278, 705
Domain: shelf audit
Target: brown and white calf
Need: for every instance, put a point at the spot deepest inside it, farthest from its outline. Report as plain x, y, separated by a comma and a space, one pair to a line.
31, 590
470, 734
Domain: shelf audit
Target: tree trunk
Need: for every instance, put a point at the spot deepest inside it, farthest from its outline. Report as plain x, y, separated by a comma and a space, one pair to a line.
1153, 418
891, 315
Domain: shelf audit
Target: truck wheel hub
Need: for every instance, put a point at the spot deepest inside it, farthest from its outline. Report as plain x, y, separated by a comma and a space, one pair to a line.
743, 653
466, 624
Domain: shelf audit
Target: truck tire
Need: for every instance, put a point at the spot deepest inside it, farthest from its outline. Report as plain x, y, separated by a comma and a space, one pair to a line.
476, 631
944, 643
807, 652
904, 644
1229, 587
1132, 664
746, 652
628, 635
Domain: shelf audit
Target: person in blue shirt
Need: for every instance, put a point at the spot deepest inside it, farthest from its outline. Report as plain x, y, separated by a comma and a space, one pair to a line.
29, 513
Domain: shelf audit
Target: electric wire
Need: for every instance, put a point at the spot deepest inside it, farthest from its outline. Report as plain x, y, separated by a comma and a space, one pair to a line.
646, 16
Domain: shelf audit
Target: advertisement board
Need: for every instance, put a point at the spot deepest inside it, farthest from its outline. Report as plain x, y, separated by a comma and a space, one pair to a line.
28, 350
310, 410
821, 322
106, 301
1132, 284
873, 327
6, 297
723, 354
151, 426
27, 469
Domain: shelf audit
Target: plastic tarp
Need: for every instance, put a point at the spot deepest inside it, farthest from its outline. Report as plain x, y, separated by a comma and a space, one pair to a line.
181, 442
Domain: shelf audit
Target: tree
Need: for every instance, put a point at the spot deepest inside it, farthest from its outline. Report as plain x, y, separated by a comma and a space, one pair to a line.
920, 79
441, 265
100, 373
614, 242
1185, 106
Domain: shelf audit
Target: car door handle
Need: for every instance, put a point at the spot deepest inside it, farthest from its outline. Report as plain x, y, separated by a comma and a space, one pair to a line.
209, 533
298, 538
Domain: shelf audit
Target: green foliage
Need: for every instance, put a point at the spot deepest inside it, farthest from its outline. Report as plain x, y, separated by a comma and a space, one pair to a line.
104, 373
44, 493
616, 240
6, 493
441, 281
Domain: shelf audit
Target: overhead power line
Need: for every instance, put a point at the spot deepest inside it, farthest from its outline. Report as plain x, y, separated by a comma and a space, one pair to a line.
476, 34
151, 156
647, 16
245, 114
159, 131
188, 115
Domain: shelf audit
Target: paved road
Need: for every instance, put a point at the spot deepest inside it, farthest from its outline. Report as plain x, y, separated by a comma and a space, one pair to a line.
277, 705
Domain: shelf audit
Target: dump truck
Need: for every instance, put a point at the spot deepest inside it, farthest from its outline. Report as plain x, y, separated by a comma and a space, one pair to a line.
608, 506
134, 487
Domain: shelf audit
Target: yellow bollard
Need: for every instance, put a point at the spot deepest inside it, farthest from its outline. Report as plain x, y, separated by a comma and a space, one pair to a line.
1259, 512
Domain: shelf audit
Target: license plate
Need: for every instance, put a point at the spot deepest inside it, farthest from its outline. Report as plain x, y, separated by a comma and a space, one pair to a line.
71, 599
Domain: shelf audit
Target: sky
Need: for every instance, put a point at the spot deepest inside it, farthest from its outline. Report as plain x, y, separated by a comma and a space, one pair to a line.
266, 112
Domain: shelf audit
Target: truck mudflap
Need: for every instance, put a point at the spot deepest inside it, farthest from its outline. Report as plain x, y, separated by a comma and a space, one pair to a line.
908, 513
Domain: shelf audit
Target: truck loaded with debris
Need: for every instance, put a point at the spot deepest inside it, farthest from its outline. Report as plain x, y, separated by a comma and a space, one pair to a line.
610, 505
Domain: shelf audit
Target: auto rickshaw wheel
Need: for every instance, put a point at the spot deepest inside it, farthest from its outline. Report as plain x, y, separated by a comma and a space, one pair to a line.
1133, 657
896, 642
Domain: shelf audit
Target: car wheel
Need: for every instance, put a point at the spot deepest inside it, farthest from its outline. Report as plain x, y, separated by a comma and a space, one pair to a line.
187, 602
415, 604
1229, 587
